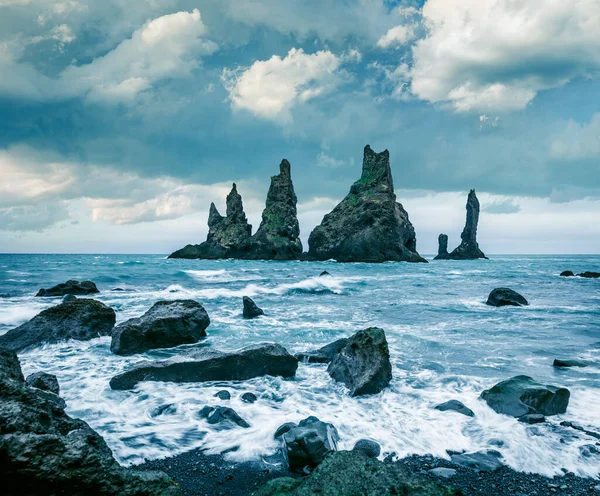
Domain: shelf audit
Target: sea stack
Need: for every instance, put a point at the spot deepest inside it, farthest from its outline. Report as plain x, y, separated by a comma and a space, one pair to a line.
278, 236
368, 225
228, 237
468, 248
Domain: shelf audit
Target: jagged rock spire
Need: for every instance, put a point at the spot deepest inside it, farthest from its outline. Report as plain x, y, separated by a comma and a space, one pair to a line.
442, 245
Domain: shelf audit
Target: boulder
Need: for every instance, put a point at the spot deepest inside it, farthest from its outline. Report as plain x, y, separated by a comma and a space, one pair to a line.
368, 225
307, 443
590, 275
223, 395
166, 409
368, 447
443, 472
521, 395
569, 362
71, 287
456, 406
69, 298
282, 429
211, 365
81, 319
45, 451
468, 248
249, 397
567, 273
480, 461
166, 324
251, 310
532, 418
43, 381
324, 273
223, 416
501, 297
363, 365
324, 354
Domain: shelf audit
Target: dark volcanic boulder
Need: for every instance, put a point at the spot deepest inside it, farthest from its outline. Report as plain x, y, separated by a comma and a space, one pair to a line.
166, 324
590, 275
278, 236
521, 395
70, 288
567, 273
228, 237
251, 309
324, 354
368, 225
223, 395
456, 406
468, 248
249, 397
43, 451
212, 365
481, 461
307, 443
569, 363
81, 319
501, 297
353, 473
364, 363
532, 418
223, 416
43, 381
368, 447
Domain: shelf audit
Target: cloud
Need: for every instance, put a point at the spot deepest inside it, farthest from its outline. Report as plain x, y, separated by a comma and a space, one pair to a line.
32, 217
271, 88
507, 206
397, 36
577, 141
487, 55
324, 160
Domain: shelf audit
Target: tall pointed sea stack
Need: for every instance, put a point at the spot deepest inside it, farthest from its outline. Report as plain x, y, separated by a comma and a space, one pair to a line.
228, 237
468, 248
368, 225
278, 236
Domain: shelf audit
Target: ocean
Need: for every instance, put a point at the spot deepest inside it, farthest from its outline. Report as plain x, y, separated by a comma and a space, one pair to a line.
445, 343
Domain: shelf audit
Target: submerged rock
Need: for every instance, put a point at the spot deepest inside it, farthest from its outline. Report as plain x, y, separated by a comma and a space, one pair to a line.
278, 236
324, 273
44, 451
368, 225
81, 319
228, 237
456, 406
569, 363
223, 416
468, 248
43, 381
521, 395
212, 365
223, 395
567, 273
501, 297
324, 354
368, 447
251, 309
71, 287
166, 324
532, 418
480, 461
590, 275
307, 443
249, 397
363, 365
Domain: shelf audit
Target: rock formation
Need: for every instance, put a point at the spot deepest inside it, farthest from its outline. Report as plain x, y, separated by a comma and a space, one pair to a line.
251, 309
81, 319
368, 225
278, 236
223, 416
502, 297
455, 406
44, 381
324, 354
228, 237
468, 248
71, 287
166, 324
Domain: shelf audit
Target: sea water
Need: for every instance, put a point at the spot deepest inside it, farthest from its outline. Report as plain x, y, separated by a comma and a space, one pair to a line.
445, 343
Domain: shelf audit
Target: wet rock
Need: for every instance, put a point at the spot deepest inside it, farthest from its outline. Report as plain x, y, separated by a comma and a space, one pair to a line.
496, 442
165, 325
324, 354
211, 365
480, 461
590, 275
368, 447
251, 310
521, 395
282, 429
324, 273
567, 273
223, 395
307, 443
589, 451
443, 472
501, 297
44, 381
168, 409
368, 225
69, 298
456, 406
569, 363
44, 451
249, 398
82, 319
532, 418
363, 365
71, 287
468, 248
223, 416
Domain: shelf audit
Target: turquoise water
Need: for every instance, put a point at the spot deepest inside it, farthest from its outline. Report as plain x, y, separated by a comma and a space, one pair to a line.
444, 341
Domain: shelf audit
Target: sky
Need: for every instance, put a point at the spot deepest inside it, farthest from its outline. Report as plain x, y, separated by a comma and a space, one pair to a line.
121, 121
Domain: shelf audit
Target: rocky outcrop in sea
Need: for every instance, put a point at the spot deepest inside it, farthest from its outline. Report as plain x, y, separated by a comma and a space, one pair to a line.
468, 248
368, 225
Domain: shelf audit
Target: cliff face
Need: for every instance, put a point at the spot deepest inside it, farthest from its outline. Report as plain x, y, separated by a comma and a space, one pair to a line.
368, 225
278, 236
468, 248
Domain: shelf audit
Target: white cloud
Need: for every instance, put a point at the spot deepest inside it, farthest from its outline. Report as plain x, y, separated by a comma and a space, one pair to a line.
324, 160
577, 141
397, 36
270, 88
498, 54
